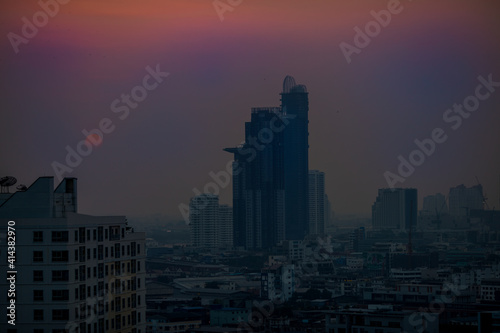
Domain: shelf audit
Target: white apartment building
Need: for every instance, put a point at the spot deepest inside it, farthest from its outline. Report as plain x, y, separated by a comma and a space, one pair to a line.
211, 224
75, 273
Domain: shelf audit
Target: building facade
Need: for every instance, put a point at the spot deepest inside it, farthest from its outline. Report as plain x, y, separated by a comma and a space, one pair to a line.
211, 224
462, 199
316, 199
270, 173
75, 272
395, 209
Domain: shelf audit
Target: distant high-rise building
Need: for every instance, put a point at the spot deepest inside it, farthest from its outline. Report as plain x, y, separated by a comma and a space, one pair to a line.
211, 224
258, 189
270, 173
225, 228
435, 204
75, 272
395, 209
295, 108
316, 202
462, 199
329, 214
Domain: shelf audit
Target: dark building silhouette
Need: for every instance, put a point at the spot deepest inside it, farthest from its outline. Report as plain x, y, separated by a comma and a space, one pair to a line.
395, 209
258, 189
295, 107
270, 173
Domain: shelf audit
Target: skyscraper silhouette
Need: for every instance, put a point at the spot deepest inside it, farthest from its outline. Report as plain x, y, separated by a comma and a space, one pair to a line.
270, 173
295, 108
258, 191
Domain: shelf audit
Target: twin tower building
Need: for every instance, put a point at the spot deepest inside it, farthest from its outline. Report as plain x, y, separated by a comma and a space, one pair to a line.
270, 173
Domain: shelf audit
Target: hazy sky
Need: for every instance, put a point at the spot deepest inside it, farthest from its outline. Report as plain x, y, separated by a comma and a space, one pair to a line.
363, 114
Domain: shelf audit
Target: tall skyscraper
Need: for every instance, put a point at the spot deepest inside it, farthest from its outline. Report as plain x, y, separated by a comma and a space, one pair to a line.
462, 199
295, 108
270, 173
395, 209
316, 202
75, 272
258, 189
211, 224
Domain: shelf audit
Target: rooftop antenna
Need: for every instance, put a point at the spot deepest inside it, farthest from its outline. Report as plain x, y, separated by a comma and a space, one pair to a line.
6, 182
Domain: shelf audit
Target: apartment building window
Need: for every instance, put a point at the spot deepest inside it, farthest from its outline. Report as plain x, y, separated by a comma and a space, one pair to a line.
106, 252
82, 272
138, 266
37, 256
138, 248
60, 314
38, 314
114, 233
37, 276
60, 295
100, 252
118, 322
76, 293
95, 253
82, 292
117, 268
60, 256
106, 236
37, 236
81, 251
117, 250
100, 271
99, 234
118, 304
76, 255
134, 265
37, 295
59, 236
88, 254
76, 235
60, 276
81, 234
94, 234
128, 250
88, 234
133, 245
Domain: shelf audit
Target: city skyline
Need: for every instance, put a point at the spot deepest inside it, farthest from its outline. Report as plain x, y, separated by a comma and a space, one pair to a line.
363, 114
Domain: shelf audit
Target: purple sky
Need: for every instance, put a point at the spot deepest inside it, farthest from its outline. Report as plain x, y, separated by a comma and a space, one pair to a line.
363, 115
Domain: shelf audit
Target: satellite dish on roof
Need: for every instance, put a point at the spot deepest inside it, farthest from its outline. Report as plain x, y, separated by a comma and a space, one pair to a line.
5, 182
